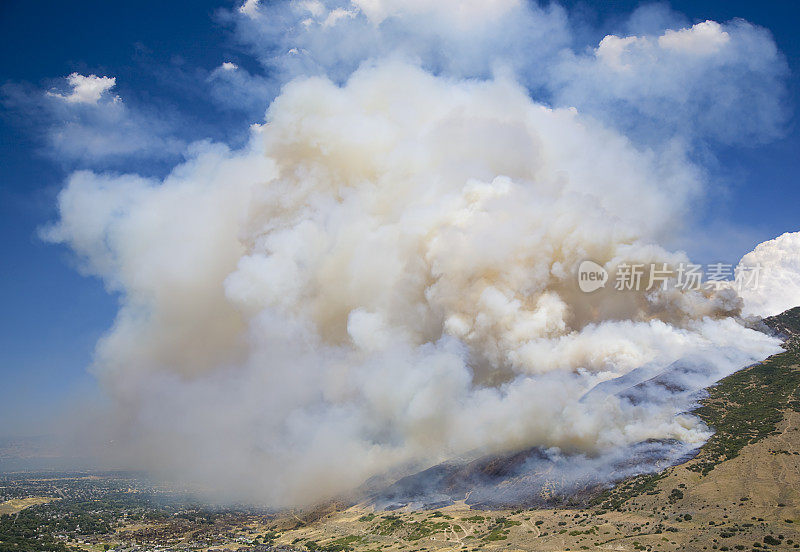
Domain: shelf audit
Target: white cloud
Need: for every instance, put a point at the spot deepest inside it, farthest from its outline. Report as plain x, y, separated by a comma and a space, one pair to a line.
710, 80
249, 8
702, 39
91, 127
717, 81
237, 89
633, 52
465, 12
778, 283
336, 15
87, 90
461, 38
613, 50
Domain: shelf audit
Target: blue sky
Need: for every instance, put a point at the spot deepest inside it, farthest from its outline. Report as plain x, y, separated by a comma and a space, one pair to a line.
52, 316
163, 56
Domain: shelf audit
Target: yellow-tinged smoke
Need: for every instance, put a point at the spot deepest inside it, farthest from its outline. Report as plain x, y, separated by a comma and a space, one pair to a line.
386, 276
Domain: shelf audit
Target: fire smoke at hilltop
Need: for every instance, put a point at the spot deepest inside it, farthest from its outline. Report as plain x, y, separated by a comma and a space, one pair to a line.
386, 275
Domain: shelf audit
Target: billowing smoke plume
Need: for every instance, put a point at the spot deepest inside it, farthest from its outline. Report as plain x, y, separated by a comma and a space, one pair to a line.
778, 286
386, 277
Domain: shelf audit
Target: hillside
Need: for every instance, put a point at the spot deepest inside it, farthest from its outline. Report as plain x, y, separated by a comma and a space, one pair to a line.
740, 492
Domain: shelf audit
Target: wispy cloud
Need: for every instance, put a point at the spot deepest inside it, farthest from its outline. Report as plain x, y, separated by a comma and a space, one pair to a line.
87, 125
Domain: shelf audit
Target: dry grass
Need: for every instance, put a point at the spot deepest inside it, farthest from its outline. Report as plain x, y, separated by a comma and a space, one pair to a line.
18, 504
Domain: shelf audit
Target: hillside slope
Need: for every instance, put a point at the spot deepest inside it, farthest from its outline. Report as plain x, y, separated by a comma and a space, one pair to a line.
741, 491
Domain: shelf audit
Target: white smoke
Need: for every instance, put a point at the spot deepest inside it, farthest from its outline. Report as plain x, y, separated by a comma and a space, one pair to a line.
777, 287
386, 276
